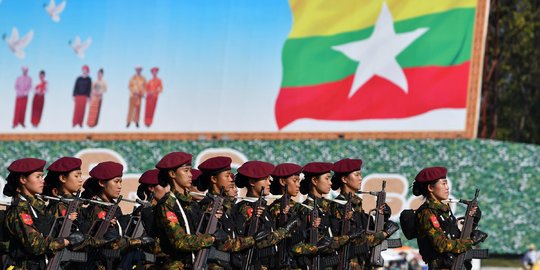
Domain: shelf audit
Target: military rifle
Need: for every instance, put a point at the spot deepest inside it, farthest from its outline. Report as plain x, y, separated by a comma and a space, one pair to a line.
282, 247
345, 230
201, 262
66, 255
314, 235
466, 232
376, 258
252, 230
135, 229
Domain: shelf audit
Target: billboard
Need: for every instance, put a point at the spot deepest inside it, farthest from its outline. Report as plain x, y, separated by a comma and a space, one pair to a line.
240, 69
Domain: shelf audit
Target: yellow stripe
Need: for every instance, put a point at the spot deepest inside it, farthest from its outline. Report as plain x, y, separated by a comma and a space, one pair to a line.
329, 17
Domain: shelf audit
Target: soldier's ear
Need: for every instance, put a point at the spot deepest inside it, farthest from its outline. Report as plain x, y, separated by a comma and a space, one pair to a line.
62, 178
314, 180
344, 179
282, 182
172, 173
213, 179
23, 179
101, 183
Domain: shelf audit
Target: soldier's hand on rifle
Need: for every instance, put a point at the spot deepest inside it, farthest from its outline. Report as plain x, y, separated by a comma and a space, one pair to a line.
219, 214
478, 236
73, 216
390, 228
349, 215
473, 211
262, 235
323, 246
387, 211
260, 211
220, 236
76, 238
316, 223
113, 221
286, 209
147, 241
477, 217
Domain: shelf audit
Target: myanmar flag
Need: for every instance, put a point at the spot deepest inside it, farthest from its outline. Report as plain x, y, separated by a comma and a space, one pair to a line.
369, 59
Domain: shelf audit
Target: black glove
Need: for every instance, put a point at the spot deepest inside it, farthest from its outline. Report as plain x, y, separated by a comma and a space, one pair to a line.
291, 225
390, 227
262, 235
387, 212
477, 216
323, 246
478, 236
356, 234
76, 238
147, 241
220, 236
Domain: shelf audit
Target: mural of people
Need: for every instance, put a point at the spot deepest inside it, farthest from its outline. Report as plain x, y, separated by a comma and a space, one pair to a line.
23, 84
98, 88
137, 87
153, 88
81, 92
39, 99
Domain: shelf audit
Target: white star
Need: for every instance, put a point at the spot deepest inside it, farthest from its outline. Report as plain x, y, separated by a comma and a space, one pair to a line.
377, 54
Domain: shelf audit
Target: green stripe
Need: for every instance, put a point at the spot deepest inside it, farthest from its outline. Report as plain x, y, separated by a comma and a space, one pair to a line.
311, 61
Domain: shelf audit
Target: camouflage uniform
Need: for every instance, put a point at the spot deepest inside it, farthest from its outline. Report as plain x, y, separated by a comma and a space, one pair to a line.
236, 242
171, 229
266, 249
358, 249
296, 241
26, 225
438, 234
324, 229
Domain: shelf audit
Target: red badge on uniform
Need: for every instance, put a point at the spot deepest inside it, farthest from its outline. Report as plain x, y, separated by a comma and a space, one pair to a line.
250, 211
63, 212
27, 219
171, 217
435, 222
102, 214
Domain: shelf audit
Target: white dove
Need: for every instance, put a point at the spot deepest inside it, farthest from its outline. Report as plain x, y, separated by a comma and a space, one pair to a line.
17, 44
80, 47
54, 10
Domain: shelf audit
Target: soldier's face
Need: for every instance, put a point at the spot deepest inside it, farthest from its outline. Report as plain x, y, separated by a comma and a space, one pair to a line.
183, 177
72, 182
233, 192
224, 179
354, 180
111, 188
33, 183
323, 183
258, 184
440, 190
293, 184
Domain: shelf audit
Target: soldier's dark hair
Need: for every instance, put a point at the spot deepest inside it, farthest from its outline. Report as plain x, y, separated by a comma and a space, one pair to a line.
143, 192
305, 185
422, 188
336, 180
42, 72
241, 181
91, 188
163, 177
12, 183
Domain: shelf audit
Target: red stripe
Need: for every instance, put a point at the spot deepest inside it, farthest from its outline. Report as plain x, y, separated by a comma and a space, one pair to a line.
429, 88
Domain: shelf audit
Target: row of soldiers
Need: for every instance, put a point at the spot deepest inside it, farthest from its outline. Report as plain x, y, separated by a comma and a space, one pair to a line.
170, 229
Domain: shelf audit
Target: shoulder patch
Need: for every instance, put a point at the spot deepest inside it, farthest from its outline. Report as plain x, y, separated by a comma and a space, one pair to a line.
249, 211
435, 221
63, 212
27, 219
102, 214
171, 217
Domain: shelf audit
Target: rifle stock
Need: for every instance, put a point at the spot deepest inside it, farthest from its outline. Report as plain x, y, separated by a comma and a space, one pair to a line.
345, 230
282, 246
105, 223
466, 230
314, 235
201, 262
253, 227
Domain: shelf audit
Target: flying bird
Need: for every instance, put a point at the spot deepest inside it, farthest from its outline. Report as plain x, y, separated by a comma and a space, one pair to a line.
17, 44
80, 47
54, 10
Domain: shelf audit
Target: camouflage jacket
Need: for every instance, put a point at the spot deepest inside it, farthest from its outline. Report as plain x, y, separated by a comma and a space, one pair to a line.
24, 226
171, 229
359, 221
437, 227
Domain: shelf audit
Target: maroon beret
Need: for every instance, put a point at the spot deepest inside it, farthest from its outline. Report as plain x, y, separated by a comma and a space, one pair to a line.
431, 174
149, 177
195, 174
256, 169
107, 170
347, 165
285, 170
174, 160
215, 164
26, 165
65, 164
315, 168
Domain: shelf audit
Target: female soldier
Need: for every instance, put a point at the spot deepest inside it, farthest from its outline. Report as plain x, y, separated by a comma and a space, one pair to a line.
63, 179
286, 181
348, 179
316, 185
255, 176
25, 220
105, 184
176, 215
438, 233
